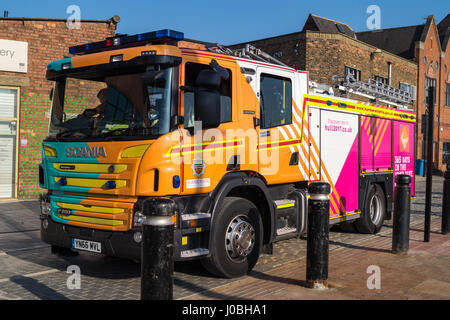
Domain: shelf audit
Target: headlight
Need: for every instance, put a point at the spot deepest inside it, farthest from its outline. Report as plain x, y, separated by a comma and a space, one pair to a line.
138, 219
46, 207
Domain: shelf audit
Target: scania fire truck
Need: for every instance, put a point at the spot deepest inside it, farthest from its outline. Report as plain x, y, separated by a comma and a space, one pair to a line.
233, 140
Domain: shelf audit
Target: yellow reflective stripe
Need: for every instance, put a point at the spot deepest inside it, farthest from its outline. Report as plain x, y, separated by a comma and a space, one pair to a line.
91, 167
219, 143
91, 183
361, 108
81, 207
105, 222
49, 152
134, 152
346, 215
289, 205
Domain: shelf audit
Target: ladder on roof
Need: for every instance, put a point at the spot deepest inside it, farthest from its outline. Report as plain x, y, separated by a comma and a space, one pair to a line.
375, 90
248, 52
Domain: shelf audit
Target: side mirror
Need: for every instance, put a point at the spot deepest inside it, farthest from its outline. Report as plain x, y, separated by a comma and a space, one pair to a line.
207, 98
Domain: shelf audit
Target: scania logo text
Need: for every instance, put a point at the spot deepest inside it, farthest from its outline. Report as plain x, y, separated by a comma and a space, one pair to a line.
86, 152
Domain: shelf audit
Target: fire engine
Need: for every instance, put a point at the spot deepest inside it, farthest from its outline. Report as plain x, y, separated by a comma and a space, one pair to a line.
232, 137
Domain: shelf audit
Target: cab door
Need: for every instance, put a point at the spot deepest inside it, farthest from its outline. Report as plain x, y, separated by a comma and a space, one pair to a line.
279, 141
206, 153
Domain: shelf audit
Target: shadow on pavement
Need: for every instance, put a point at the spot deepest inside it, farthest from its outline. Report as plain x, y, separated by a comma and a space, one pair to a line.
37, 288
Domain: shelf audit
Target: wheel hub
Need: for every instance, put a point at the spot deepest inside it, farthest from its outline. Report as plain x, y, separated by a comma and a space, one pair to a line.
375, 209
240, 238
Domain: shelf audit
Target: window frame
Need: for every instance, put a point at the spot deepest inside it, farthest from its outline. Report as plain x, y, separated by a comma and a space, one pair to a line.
281, 77
447, 95
385, 80
428, 81
358, 72
229, 80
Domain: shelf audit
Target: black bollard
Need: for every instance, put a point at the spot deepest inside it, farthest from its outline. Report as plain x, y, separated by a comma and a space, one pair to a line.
402, 202
157, 249
317, 241
446, 202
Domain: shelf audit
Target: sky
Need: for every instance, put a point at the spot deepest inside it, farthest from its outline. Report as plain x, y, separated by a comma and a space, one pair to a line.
232, 21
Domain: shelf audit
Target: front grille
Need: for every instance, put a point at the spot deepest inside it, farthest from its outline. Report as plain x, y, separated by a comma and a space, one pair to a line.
95, 214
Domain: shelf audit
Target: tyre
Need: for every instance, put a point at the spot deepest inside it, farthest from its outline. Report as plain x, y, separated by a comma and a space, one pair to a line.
236, 239
374, 211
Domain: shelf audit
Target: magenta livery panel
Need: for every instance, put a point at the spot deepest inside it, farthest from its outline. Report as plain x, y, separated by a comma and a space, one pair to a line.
356, 146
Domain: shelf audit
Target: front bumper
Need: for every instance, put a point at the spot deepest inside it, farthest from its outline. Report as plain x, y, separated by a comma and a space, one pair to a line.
113, 243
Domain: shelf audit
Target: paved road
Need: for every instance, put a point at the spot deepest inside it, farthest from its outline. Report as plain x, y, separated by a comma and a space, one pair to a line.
30, 271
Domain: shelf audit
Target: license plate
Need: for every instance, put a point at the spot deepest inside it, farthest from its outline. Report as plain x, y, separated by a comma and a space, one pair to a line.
87, 245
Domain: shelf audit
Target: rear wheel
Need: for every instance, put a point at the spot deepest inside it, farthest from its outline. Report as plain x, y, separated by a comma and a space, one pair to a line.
374, 211
236, 239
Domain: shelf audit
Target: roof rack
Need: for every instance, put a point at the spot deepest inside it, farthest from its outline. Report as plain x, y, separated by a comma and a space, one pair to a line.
248, 51
375, 90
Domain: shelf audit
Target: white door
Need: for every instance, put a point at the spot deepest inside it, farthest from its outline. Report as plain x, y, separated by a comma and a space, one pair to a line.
8, 137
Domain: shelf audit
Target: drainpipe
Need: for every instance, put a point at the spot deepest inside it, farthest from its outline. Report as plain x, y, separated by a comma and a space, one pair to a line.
390, 73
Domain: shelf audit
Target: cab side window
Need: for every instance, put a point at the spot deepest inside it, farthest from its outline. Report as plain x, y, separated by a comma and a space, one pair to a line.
275, 100
191, 72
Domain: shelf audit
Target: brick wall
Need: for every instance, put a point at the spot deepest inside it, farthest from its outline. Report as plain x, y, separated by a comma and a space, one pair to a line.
427, 54
48, 40
289, 49
444, 110
328, 54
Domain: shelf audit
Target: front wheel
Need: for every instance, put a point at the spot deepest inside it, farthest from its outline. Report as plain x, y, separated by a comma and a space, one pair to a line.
374, 211
236, 239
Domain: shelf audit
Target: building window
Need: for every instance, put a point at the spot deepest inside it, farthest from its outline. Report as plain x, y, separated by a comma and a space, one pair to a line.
381, 79
446, 153
355, 73
408, 88
191, 73
276, 101
447, 94
340, 28
430, 82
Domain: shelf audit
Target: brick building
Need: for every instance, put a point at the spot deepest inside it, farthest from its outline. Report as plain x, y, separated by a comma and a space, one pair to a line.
411, 58
327, 48
27, 45
428, 46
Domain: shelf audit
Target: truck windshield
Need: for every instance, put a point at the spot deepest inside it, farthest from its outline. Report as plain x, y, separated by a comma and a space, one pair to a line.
131, 105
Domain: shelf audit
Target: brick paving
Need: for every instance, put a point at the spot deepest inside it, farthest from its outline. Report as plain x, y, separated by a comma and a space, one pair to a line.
30, 271
423, 273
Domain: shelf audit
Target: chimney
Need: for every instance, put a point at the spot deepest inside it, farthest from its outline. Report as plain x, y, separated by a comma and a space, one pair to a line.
5, 14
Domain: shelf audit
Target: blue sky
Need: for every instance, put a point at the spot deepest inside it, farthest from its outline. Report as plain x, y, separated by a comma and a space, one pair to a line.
232, 21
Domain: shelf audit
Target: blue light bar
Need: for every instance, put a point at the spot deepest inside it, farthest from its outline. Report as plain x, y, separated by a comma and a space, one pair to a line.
165, 36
